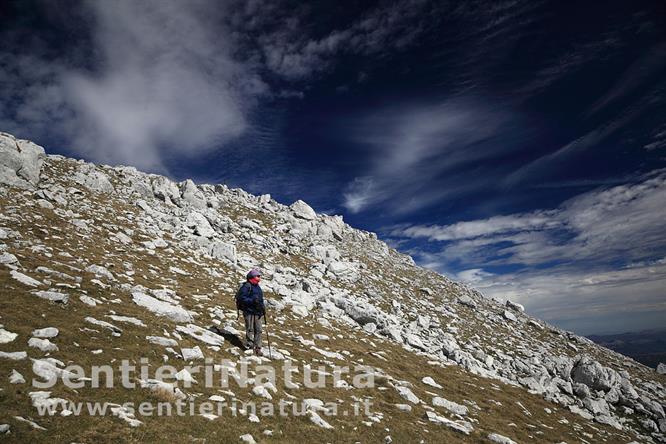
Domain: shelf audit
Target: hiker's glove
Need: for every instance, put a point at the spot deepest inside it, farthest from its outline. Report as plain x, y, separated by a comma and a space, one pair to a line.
258, 306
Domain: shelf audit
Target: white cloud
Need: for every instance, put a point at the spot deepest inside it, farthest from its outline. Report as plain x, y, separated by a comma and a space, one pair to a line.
491, 226
588, 301
163, 81
474, 275
608, 244
358, 194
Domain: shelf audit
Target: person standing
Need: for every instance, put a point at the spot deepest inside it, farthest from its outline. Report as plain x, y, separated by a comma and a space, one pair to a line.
250, 300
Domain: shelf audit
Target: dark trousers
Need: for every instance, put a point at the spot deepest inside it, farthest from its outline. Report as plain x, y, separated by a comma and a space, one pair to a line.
252, 330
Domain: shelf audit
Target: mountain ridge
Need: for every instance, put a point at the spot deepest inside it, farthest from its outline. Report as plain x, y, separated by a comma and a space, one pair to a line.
114, 257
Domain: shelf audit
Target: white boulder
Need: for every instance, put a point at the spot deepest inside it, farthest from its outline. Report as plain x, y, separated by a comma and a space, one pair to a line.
20, 161
192, 195
303, 210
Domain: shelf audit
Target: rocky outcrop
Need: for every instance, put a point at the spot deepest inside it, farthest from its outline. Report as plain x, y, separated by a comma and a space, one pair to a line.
20, 161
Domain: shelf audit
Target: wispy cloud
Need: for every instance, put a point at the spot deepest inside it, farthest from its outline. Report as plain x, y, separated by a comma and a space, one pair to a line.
410, 147
295, 55
619, 223
543, 166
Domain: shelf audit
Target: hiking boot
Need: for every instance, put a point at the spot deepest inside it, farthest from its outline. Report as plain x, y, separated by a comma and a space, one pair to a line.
258, 352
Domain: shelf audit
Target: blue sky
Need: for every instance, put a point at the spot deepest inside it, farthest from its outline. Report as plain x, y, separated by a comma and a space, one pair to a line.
519, 146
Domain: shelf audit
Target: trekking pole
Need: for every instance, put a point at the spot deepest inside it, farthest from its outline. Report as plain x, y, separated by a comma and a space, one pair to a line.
268, 337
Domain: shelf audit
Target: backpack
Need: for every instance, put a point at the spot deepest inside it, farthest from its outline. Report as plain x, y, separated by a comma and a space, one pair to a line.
244, 296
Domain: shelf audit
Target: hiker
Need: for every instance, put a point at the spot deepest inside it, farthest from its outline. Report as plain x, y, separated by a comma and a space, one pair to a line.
250, 300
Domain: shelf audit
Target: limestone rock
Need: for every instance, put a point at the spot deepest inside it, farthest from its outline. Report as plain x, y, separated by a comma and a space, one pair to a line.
191, 354
24, 279
165, 190
192, 195
500, 439
509, 316
591, 373
48, 332
199, 224
450, 406
161, 308
6, 336
222, 250
53, 296
20, 161
43, 344
407, 394
467, 301
515, 306
94, 180
303, 210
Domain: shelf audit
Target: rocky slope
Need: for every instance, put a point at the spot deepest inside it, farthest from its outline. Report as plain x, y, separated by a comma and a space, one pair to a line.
102, 264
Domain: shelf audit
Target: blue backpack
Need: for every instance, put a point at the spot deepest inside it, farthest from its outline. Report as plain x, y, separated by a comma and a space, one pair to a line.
244, 296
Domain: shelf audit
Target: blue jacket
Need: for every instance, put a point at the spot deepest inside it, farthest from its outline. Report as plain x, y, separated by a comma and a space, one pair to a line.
250, 299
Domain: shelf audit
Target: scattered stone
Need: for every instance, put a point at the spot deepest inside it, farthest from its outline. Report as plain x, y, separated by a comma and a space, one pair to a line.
248, 439
459, 426
494, 437
48, 332
24, 279
164, 342
53, 296
467, 301
404, 407
431, 382
32, 424
201, 334
6, 336
13, 356
16, 378
661, 368
449, 405
88, 300
8, 258
318, 420
43, 344
103, 324
127, 319
4, 428
100, 271
174, 312
407, 394
191, 354
509, 316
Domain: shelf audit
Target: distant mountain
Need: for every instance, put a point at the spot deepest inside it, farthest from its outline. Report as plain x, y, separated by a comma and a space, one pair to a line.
647, 347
